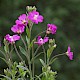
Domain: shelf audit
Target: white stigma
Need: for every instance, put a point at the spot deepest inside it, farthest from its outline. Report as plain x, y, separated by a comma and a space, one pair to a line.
35, 17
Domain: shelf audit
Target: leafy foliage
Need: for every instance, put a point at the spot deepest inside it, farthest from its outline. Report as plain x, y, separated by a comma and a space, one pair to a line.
65, 13
15, 72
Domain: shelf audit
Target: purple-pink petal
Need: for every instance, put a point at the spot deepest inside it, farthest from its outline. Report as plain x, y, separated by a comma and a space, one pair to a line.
69, 49
51, 28
22, 17
16, 37
35, 17
38, 38
12, 39
40, 18
41, 41
69, 53
22, 20
18, 28
18, 22
46, 39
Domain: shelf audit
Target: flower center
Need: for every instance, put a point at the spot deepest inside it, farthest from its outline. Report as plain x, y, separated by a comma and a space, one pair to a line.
11, 38
67, 53
23, 21
35, 17
19, 31
41, 41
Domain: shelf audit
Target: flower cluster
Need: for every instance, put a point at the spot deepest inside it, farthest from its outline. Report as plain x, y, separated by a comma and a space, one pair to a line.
22, 22
26, 21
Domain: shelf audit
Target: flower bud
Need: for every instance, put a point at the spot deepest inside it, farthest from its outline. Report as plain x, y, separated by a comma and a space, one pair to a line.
51, 41
30, 8
55, 45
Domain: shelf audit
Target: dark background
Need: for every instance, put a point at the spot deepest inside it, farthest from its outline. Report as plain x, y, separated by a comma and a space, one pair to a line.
65, 14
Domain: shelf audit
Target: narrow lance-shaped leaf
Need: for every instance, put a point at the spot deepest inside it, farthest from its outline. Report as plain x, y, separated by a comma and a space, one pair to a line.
31, 44
28, 40
22, 51
24, 68
28, 32
8, 78
42, 62
4, 60
2, 53
49, 51
6, 47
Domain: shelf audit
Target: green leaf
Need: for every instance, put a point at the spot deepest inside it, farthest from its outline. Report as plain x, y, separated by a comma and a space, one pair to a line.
28, 40
28, 32
2, 53
6, 47
49, 51
22, 51
51, 61
6, 77
4, 60
24, 68
31, 44
42, 62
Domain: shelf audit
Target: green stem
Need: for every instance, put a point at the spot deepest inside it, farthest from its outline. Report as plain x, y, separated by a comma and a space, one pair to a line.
44, 53
36, 50
27, 55
38, 77
52, 59
36, 56
10, 53
39, 34
33, 60
30, 28
18, 53
23, 42
7, 57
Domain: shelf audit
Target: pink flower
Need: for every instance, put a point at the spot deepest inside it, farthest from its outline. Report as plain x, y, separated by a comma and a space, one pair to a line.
69, 53
18, 29
41, 41
22, 20
51, 28
35, 17
12, 39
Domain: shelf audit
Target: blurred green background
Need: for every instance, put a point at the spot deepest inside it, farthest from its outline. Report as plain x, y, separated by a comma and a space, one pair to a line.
65, 14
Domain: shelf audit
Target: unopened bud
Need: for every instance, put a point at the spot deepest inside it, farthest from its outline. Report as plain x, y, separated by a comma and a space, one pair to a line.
49, 67
51, 41
55, 45
30, 8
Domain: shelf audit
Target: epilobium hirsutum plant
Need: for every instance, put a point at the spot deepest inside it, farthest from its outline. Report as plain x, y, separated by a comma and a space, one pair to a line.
23, 70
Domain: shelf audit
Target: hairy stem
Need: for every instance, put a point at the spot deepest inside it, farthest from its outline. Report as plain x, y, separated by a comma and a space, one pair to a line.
19, 54
36, 50
55, 57
44, 53
39, 34
33, 60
